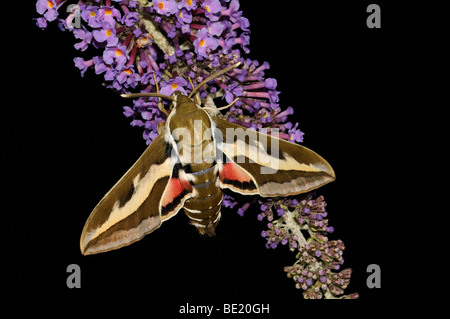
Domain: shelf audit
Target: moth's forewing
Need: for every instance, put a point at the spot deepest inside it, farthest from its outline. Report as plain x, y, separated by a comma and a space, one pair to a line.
131, 209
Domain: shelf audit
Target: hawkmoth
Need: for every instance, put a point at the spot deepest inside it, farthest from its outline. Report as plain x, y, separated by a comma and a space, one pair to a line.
187, 166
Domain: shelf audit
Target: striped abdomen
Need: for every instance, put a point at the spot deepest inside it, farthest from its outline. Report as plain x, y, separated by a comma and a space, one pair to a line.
204, 208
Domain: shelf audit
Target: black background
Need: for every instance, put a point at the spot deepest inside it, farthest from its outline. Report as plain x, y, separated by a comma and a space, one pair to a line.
359, 96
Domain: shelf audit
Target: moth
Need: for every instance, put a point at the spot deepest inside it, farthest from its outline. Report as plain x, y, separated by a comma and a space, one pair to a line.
192, 160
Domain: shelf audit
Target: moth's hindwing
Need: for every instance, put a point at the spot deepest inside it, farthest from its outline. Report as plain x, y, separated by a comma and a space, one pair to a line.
257, 167
132, 208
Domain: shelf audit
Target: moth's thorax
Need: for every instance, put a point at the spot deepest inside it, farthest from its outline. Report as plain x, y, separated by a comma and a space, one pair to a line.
190, 128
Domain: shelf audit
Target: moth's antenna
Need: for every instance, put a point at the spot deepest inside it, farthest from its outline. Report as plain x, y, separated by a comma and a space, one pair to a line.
159, 95
215, 75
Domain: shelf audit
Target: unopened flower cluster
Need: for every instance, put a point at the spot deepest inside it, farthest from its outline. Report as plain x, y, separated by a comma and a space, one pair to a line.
318, 259
146, 46
142, 44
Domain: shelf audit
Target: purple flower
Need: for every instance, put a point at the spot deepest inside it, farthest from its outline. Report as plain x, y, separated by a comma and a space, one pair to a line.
243, 40
108, 16
188, 4
216, 28
242, 209
90, 15
212, 7
85, 36
148, 115
226, 44
165, 7
270, 83
132, 4
173, 85
82, 64
128, 111
242, 23
128, 77
101, 66
184, 16
228, 201
48, 8
116, 55
41, 22
108, 35
296, 135
232, 10
130, 18
204, 42
186, 28
137, 123
282, 117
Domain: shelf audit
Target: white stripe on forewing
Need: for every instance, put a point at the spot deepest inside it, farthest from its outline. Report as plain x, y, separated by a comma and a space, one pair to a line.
142, 189
259, 155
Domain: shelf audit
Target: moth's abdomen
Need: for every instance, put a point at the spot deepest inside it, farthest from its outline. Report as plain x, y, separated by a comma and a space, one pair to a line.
204, 208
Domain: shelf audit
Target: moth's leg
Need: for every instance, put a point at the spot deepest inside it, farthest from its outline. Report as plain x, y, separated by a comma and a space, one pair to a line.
192, 84
160, 103
227, 106
221, 108
197, 99
197, 95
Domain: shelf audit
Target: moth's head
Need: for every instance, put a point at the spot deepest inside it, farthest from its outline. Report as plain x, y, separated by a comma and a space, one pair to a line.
179, 99
183, 103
